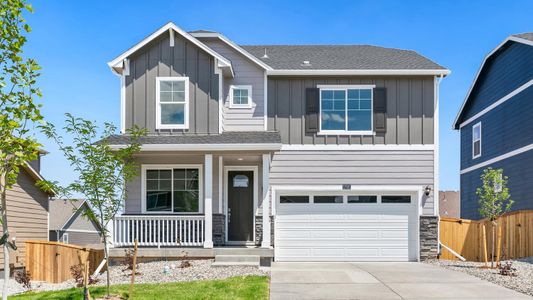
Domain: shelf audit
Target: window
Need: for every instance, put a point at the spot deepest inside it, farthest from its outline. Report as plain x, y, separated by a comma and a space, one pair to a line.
395, 199
293, 199
346, 109
172, 98
362, 199
65, 238
241, 96
328, 199
240, 181
173, 190
476, 140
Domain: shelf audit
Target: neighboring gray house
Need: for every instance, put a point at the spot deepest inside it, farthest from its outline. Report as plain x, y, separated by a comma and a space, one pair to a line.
68, 225
496, 124
336, 145
450, 204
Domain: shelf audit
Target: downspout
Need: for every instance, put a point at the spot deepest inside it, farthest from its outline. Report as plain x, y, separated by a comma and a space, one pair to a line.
436, 184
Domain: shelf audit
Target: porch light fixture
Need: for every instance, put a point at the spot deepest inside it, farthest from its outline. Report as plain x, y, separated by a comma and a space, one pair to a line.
427, 190
240, 159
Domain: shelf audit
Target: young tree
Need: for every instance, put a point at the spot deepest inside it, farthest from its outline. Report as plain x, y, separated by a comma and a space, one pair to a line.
494, 199
19, 111
103, 171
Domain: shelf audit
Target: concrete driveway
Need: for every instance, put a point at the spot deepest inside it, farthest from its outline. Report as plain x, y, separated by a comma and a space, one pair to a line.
379, 281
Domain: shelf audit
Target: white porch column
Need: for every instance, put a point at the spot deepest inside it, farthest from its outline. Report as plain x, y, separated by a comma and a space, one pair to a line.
266, 202
208, 203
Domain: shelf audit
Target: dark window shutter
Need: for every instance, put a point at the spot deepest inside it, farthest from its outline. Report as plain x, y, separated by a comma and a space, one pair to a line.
312, 107
380, 110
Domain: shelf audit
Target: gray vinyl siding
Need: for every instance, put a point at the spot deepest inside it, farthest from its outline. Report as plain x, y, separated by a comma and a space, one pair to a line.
184, 59
134, 187
27, 213
92, 239
410, 110
355, 167
246, 73
79, 222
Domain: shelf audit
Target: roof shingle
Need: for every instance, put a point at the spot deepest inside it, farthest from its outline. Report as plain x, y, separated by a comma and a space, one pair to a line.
340, 57
241, 137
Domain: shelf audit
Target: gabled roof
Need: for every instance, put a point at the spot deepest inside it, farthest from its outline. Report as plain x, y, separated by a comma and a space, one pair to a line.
37, 176
212, 34
61, 211
117, 64
523, 38
343, 59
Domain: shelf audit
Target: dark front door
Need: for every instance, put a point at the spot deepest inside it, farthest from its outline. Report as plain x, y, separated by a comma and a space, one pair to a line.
240, 205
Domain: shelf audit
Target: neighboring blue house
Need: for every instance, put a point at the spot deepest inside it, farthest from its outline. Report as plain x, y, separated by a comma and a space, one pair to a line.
496, 124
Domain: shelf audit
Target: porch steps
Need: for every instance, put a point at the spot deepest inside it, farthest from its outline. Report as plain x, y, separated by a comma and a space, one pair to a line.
236, 260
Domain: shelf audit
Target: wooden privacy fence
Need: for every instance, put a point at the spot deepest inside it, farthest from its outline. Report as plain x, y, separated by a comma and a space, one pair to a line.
51, 261
466, 236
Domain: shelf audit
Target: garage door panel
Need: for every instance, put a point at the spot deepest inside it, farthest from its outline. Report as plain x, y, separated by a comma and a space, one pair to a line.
346, 232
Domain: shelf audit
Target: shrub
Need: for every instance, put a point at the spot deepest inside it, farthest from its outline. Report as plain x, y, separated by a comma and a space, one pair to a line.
23, 277
77, 273
128, 261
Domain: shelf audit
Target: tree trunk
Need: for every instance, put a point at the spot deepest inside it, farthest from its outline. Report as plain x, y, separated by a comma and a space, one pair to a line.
5, 231
492, 246
106, 256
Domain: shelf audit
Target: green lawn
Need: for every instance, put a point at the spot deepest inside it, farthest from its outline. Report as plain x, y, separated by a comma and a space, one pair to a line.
249, 287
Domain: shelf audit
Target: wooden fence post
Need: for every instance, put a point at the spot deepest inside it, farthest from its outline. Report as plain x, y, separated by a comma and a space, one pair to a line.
499, 245
485, 245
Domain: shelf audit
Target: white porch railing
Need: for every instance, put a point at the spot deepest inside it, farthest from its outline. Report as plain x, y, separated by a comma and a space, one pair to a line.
159, 230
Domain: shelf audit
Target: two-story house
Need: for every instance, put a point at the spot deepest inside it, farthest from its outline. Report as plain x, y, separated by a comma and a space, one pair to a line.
324, 152
496, 124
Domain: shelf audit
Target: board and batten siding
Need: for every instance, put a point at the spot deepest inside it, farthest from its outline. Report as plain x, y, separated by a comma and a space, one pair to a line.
355, 167
246, 72
410, 110
158, 59
27, 214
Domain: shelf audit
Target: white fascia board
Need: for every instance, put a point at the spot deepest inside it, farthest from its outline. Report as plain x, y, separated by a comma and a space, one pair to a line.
511, 38
367, 188
37, 176
204, 147
429, 147
233, 45
223, 62
428, 72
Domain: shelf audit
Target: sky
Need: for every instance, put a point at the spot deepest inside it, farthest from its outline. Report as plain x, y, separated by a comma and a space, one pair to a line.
73, 41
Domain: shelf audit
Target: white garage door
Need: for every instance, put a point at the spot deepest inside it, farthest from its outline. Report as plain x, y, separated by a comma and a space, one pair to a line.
361, 227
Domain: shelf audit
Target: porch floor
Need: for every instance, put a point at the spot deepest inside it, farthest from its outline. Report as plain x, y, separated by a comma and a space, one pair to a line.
192, 252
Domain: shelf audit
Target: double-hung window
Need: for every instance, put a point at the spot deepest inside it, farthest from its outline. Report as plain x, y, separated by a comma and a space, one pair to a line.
476, 140
172, 100
241, 96
346, 109
172, 189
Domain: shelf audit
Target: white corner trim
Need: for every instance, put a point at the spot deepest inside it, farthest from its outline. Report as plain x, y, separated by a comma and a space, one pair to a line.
443, 72
203, 147
233, 45
394, 147
208, 207
511, 38
497, 103
123, 103
265, 102
224, 62
158, 124
498, 158
220, 184
240, 87
145, 167
436, 141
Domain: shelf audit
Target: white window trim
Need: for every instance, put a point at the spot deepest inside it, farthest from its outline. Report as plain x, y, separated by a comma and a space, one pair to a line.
64, 238
474, 156
146, 167
185, 124
346, 131
240, 87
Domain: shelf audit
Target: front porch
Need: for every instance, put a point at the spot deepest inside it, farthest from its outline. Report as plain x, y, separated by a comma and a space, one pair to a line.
222, 203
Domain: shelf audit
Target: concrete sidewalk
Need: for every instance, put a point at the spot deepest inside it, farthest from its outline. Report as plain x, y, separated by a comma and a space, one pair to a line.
379, 281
